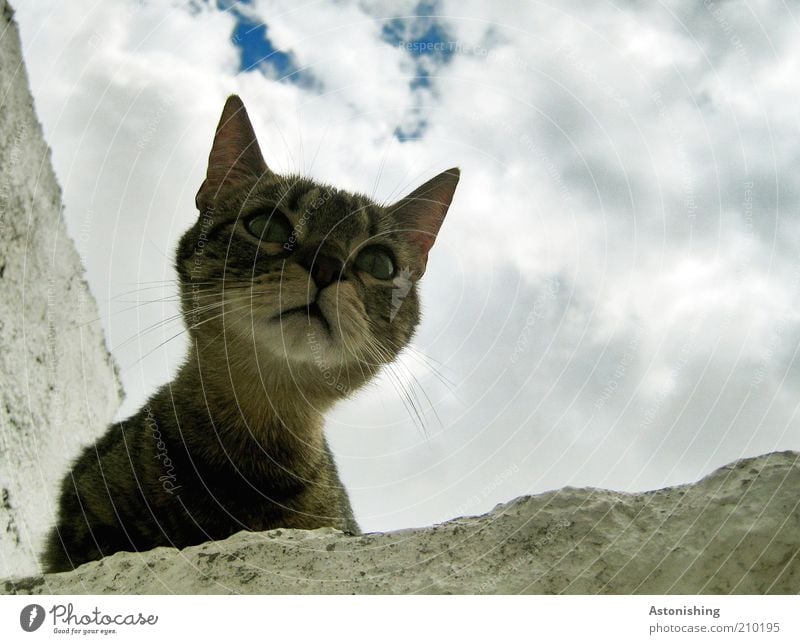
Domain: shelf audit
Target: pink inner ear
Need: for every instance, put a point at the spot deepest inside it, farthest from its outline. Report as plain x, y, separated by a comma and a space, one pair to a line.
230, 160
422, 212
423, 241
235, 155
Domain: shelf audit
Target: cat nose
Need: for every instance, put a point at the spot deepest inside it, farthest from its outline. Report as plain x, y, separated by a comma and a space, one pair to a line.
324, 269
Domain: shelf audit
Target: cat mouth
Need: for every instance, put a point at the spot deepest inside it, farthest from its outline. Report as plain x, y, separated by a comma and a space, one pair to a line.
310, 311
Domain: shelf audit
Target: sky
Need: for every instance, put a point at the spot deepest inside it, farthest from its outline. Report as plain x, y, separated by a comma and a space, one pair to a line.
613, 298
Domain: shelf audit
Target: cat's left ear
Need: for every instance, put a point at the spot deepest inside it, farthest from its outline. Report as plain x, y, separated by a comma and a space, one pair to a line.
235, 156
421, 213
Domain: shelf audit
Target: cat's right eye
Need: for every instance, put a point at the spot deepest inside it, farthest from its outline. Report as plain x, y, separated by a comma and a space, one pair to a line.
271, 227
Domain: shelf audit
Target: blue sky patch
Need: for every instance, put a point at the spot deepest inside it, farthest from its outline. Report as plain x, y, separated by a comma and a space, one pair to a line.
256, 48
432, 43
403, 134
428, 43
251, 37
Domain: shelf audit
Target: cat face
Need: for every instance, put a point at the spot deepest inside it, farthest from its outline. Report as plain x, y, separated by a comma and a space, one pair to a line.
307, 272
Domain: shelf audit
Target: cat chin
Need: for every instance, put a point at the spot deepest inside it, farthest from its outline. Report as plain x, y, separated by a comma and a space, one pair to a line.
312, 342
304, 338
329, 334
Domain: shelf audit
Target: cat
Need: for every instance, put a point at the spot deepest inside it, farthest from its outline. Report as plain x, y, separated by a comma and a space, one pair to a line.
286, 289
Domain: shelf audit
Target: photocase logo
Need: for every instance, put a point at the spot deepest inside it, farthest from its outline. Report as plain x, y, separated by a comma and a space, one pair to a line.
402, 285
31, 617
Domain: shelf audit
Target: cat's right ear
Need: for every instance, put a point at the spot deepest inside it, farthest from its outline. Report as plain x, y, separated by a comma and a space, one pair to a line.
235, 156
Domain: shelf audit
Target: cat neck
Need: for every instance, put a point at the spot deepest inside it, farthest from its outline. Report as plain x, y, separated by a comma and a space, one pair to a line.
252, 415
257, 393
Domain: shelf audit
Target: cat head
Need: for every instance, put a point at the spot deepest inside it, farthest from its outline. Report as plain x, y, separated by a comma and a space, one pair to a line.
302, 272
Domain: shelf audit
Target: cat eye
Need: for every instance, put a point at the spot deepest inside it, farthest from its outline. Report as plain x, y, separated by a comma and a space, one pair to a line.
377, 261
272, 227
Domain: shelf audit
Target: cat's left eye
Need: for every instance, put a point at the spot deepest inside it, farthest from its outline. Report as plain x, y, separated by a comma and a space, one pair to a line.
272, 227
377, 261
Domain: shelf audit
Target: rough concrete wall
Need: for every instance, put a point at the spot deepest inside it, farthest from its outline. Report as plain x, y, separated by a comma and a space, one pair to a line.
58, 386
736, 531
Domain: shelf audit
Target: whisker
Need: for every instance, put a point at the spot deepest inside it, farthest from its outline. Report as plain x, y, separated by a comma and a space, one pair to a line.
407, 396
319, 145
177, 297
415, 384
179, 316
427, 361
188, 328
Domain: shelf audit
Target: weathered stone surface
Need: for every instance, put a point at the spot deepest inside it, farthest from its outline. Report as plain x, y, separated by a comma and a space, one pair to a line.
736, 531
58, 386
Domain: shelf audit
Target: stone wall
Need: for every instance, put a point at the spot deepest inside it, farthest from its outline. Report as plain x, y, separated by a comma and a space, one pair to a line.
736, 531
58, 386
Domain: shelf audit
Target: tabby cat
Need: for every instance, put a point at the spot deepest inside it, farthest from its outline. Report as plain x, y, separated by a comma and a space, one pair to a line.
289, 290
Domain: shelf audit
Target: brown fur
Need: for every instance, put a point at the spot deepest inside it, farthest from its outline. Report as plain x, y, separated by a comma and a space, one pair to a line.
235, 441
